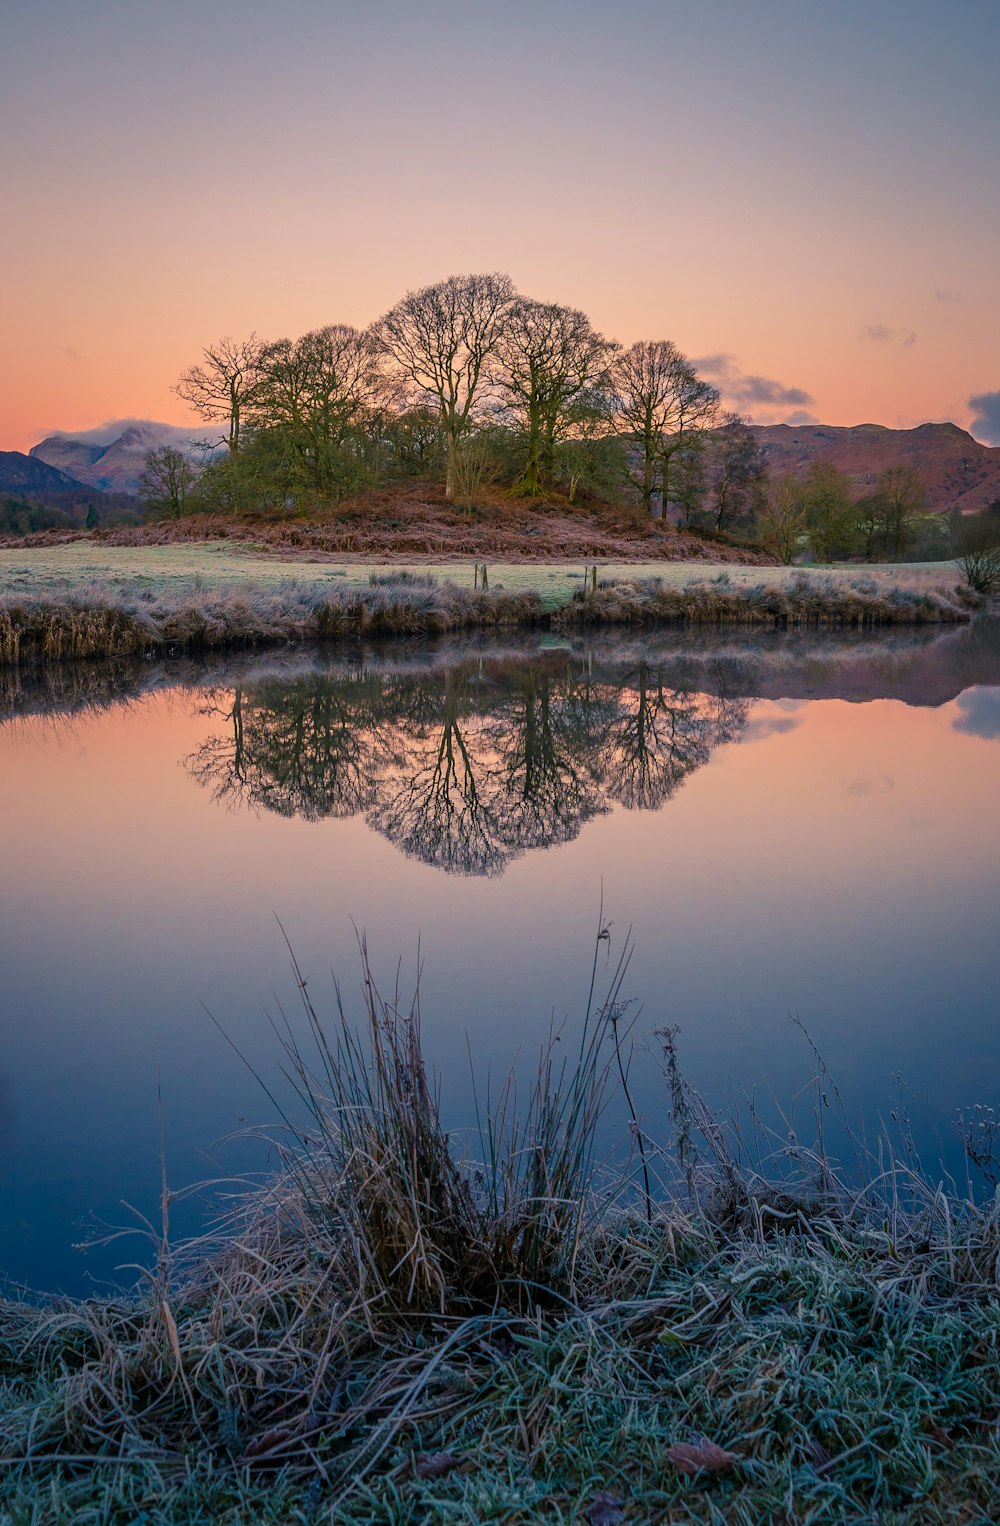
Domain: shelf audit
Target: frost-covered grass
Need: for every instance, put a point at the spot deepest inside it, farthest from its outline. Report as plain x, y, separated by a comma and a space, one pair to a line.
194, 567
62, 603
400, 1329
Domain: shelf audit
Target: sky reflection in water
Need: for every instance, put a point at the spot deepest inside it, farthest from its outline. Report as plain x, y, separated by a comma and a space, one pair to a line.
789, 826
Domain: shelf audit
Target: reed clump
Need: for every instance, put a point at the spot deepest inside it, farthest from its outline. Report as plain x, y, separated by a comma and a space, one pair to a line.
811, 600
107, 620
398, 1327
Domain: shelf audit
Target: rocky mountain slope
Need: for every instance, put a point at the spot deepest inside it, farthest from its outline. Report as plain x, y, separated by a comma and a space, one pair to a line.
114, 468
25, 474
957, 472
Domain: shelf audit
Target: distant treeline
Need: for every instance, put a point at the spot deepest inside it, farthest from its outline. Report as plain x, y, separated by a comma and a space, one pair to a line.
25, 513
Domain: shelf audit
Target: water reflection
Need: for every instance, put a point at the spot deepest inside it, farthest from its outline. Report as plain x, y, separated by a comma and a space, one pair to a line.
469, 767
786, 876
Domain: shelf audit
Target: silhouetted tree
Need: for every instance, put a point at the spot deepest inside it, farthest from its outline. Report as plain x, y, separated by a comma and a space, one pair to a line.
659, 402
166, 482
440, 340
219, 389
737, 474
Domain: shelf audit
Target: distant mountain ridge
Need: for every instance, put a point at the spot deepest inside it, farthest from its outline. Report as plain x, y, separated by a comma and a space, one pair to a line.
113, 468
957, 472
25, 475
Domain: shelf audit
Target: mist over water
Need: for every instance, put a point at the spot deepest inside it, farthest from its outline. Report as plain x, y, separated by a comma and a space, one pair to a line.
788, 825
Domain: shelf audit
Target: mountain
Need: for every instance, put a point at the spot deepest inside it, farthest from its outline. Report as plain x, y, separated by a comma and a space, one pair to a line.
24, 474
957, 472
114, 467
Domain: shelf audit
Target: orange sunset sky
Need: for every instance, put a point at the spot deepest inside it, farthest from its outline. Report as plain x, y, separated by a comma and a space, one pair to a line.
802, 194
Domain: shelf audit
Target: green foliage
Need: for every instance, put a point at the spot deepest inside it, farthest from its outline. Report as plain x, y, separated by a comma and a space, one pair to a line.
830, 513
888, 519
23, 516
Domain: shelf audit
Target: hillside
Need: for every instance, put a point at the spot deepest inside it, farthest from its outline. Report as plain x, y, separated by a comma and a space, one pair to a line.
413, 519
956, 470
27, 475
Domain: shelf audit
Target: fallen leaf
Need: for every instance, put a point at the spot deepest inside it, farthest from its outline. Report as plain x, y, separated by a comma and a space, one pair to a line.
692, 1458
436, 1464
264, 1443
604, 1509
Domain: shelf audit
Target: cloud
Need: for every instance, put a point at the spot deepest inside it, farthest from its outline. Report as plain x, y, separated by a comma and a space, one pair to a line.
871, 786
106, 434
760, 727
745, 390
882, 334
985, 423
948, 294
800, 416
979, 713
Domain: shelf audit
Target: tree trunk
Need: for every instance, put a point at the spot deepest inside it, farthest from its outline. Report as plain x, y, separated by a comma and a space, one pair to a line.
530, 481
451, 461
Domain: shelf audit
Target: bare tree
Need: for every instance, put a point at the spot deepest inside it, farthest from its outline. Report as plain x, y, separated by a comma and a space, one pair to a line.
737, 472
219, 389
552, 367
901, 494
440, 339
167, 476
782, 519
659, 401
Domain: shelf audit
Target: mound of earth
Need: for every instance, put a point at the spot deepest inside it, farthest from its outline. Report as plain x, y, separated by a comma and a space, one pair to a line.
414, 521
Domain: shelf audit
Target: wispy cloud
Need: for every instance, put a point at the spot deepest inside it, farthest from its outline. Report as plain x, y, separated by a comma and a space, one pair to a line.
881, 333
748, 390
106, 434
986, 417
948, 294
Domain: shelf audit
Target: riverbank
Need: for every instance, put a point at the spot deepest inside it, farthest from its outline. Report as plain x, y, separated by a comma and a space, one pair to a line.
71, 602
731, 1331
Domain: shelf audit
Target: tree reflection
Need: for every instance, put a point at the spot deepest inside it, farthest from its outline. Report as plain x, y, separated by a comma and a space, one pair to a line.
660, 735
469, 767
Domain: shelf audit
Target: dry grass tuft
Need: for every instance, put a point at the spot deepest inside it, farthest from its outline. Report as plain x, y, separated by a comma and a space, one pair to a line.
392, 1331
105, 620
806, 599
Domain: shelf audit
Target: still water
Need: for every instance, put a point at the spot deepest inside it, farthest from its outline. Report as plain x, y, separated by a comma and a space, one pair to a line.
789, 826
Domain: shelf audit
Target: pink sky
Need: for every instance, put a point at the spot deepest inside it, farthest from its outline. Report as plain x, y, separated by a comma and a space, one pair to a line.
808, 194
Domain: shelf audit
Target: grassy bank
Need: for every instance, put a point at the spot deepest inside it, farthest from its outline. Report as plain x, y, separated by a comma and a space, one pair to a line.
402, 1326
52, 619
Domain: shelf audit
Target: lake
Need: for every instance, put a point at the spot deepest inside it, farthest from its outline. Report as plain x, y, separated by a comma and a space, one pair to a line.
790, 825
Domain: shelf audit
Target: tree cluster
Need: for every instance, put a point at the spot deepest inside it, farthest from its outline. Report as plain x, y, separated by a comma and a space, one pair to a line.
819, 515
470, 381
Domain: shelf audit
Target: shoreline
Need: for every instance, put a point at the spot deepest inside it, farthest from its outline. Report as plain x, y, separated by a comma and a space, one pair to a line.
73, 619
